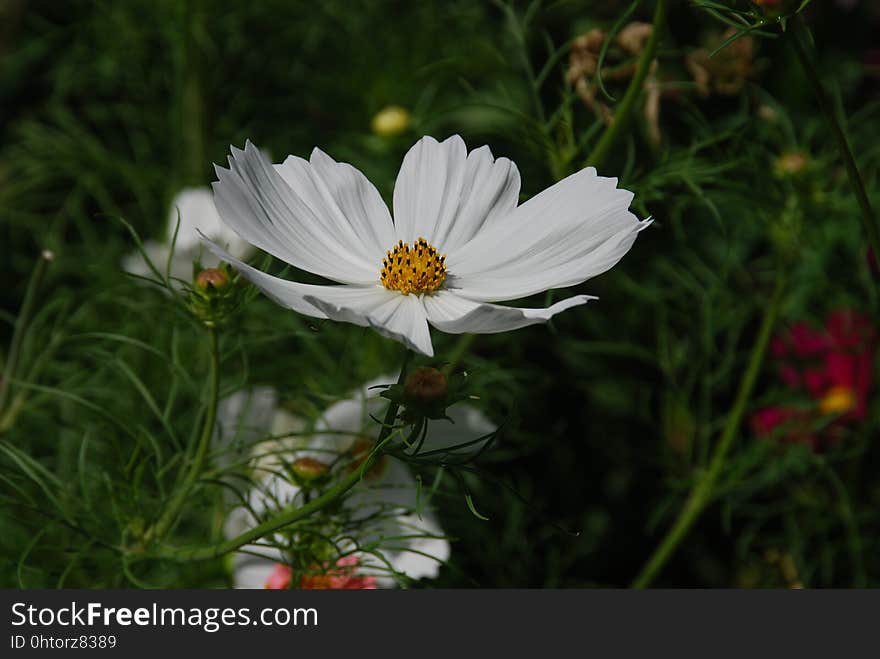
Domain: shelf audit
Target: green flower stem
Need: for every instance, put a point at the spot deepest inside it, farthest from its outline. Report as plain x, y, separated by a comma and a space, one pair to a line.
291, 515
21, 323
703, 491
198, 461
624, 110
801, 40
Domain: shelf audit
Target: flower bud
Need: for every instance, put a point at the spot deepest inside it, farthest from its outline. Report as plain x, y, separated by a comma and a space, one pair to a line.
391, 121
214, 296
426, 385
212, 279
308, 470
791, 164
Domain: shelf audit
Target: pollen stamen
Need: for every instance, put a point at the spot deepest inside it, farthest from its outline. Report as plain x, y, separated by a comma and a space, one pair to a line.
417, 269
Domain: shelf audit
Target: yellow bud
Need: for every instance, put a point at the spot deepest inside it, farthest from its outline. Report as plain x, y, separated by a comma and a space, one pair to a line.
391, 121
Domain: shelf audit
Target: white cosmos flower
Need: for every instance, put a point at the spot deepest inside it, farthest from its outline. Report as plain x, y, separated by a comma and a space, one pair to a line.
410, 540
327, 218
197, 212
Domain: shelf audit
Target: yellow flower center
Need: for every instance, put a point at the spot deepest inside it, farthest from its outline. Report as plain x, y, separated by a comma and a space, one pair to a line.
417, 269
837, 401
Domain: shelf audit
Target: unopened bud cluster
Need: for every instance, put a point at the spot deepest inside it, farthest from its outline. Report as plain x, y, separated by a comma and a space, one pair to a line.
214, 295
426, 393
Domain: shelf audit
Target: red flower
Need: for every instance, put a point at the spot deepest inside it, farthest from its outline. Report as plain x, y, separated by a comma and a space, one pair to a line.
340, 577
833, 366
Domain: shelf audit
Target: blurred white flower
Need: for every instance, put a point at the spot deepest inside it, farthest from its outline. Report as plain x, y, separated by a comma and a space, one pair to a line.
326, 217
197, 212
383, 508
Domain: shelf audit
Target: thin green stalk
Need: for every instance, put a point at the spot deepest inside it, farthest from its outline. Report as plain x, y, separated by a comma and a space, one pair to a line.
519, 34
291, 515
21, 323
801, 39
624, 110
284, 518
198, 461
703, 491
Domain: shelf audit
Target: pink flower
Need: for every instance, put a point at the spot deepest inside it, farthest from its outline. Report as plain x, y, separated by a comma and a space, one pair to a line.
342, 576
280, 577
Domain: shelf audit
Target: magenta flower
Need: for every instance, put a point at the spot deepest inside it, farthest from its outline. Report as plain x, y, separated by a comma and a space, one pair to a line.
831, 368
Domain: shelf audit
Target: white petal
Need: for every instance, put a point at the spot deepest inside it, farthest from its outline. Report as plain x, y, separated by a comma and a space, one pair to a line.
158, 253
289, 294
242, 418
399, 317
252, 572
395, 487
272, 455
332, 193
345, 420
196, 212
490, 192
255, 200
450, 313
427, 551
570, 232
428, 189
392, 505
392, 314
273, 493
359, 201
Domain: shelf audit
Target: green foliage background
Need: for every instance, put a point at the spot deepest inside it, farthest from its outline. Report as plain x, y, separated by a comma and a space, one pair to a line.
108, 108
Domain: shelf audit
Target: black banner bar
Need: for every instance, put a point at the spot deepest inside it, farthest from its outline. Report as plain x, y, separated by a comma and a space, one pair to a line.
410, 623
